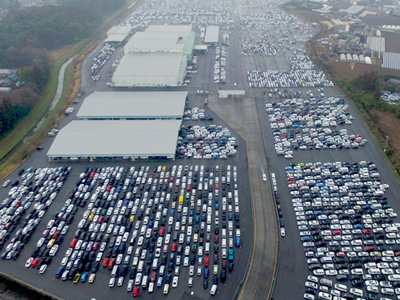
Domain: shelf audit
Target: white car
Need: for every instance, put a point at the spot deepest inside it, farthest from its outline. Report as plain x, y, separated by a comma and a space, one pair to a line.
29, 262
264, 177
175, 281
283, 232
43, 269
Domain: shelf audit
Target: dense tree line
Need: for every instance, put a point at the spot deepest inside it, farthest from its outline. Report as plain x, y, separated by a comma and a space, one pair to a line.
25, 37
26, 31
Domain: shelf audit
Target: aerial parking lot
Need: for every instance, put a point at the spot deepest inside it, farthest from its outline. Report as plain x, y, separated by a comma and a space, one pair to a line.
308, 124
348, 230
139, 229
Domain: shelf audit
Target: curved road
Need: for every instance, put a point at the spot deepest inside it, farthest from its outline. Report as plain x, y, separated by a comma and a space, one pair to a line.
57, 96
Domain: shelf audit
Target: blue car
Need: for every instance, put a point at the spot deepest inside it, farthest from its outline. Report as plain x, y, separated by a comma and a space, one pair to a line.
206, 272
238, 241
84, 277
60, 270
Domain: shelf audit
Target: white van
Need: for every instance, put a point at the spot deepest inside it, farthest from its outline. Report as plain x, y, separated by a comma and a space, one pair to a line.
166, 289
138, 278
341, 287
213, 289
114, 271
323, 295
207, 248
394, 277
140, 266
144, 281
356, 292
155, 264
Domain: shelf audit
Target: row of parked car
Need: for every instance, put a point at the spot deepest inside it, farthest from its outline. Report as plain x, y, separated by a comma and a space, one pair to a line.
205, 142
271, 32
311, 124
348, 230
301, 62
288, 79
101, 59
148, 225
220, 65
27, 204
196, 113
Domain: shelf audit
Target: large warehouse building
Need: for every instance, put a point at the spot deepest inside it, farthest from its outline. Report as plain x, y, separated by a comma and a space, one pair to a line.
127, 125
113, 139
133, 106
156, 57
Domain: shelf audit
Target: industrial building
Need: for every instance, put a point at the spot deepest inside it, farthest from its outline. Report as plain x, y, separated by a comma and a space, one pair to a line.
212, 35
118, 34
116, 139
156, 57
133, 106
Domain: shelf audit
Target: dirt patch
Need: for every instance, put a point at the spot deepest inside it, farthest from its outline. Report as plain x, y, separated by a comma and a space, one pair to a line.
389, 125
343, 69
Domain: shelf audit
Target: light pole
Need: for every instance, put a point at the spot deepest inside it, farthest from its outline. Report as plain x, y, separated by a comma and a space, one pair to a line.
386, 143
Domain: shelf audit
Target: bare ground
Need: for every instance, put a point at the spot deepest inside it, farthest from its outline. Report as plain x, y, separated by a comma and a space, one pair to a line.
389, 125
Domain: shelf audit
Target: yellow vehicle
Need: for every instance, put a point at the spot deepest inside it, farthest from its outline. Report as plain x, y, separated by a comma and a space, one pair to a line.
76, 278
181, 199
132, 218
164, 168
90, 218
51, 243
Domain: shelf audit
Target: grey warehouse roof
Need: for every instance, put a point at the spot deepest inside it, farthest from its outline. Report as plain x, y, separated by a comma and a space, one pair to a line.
133, 105
148, 69
119, 138
212, 34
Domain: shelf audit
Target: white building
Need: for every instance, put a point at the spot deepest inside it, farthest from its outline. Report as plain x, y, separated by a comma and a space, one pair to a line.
156, 57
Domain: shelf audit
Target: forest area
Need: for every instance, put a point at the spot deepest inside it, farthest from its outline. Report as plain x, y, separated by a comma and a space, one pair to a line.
26, 37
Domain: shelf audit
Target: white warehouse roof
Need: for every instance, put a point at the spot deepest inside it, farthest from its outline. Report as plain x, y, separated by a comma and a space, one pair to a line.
212, 34
149, 69
183, 30
154, 42
134, 105
89, 139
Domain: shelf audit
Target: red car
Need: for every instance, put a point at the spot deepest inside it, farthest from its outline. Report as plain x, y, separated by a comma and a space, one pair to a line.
95, 246
136, 291
336, 232
340, 254
35, 262
56, 235
105, 262
111, 263
366, 231
161, 232
153, 276
206, 261
173, 247
100, 220
73, 243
